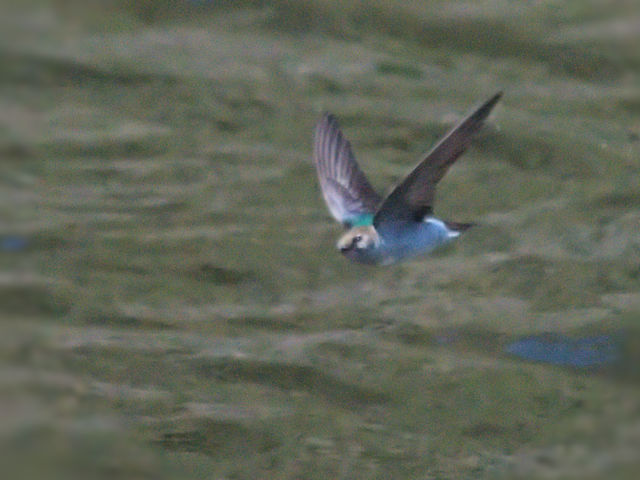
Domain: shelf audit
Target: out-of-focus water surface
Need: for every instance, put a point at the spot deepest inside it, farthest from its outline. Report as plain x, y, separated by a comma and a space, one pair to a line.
172, 302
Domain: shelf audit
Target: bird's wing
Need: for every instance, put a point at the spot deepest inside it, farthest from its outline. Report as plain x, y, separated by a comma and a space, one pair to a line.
414, 196
345, 188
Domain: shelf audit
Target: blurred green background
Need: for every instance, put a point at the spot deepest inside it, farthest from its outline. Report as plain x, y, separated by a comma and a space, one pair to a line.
172, 302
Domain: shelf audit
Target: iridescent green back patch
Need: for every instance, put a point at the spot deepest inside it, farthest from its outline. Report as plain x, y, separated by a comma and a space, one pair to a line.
363, 220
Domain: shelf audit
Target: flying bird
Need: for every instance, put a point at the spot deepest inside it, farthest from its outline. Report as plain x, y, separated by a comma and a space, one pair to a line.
381, 231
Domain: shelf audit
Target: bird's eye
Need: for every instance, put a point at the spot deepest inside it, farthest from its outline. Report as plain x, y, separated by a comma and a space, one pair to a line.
357, 238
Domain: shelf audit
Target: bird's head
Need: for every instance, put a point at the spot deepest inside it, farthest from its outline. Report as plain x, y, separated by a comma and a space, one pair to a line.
358, 240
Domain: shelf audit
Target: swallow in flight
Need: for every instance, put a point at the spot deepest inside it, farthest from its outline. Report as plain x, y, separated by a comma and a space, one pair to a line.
386, 230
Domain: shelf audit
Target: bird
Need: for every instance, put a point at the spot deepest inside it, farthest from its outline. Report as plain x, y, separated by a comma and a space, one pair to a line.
402, 225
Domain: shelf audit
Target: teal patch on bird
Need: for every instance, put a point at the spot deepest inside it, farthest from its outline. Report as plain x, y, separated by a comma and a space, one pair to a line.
362, 220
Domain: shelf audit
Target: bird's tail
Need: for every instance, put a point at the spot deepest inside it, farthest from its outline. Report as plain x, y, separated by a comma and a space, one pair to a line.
458, 227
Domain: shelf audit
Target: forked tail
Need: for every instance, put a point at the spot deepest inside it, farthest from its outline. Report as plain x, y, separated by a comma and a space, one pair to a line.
458, 227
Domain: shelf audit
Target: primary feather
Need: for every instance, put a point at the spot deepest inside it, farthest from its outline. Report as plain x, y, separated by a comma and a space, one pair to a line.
414, 196
347, 192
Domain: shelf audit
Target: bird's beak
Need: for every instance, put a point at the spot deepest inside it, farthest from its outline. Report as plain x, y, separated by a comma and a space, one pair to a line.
345, 246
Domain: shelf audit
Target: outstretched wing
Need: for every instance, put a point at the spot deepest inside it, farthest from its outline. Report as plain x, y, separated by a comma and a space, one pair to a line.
414, 196
346, 190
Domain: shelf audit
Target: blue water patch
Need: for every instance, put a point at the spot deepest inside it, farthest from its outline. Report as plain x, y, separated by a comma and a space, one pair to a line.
558, 349
13, 243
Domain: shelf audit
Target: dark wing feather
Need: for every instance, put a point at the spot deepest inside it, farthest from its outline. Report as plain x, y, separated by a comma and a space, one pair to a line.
414, 196
345, 188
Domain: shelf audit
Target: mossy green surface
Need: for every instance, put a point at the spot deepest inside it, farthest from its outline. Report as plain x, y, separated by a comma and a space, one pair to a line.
178, 308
